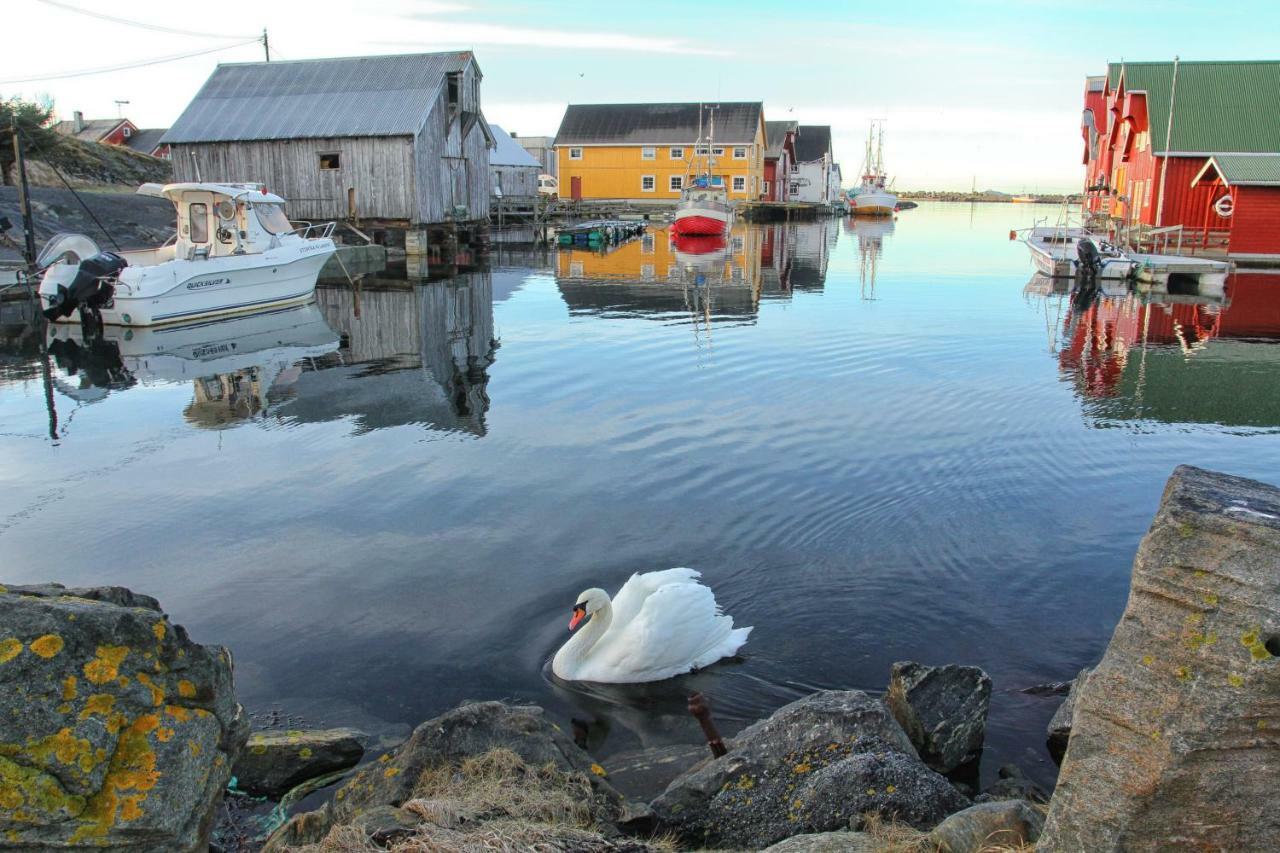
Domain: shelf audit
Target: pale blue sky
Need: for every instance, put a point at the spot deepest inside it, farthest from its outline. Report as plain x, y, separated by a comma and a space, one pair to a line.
970, 90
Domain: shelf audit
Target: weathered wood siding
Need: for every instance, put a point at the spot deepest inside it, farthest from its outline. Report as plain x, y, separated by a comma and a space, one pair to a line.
379, 169
454, 171
514, 181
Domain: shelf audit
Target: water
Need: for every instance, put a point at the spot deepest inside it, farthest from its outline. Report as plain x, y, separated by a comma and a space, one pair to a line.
871, 441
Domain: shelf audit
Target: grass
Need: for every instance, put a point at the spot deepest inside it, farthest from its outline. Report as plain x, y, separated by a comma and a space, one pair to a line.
899, 838
493, 803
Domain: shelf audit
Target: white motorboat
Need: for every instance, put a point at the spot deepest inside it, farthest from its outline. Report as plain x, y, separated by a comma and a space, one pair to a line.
872, 197
1056, 251
235, 252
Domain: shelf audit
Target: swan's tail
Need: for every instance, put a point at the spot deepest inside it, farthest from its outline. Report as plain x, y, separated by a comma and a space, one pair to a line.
737, 639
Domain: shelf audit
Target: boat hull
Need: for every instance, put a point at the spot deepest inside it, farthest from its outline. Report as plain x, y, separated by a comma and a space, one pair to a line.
700, 223
209, 289
873, 202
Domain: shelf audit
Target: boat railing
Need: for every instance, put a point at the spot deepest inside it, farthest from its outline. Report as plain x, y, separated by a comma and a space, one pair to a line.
313, 231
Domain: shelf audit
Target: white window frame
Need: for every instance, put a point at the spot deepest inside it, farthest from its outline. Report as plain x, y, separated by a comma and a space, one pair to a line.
653, 183
648, 152
701, 151
738, 148
718, 151
647, 272
717, 180
675, 183
739, 183
575, 156
676, 153
765, 191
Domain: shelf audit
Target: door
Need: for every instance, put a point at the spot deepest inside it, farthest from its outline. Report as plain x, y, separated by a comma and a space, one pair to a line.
575, 188
198, 223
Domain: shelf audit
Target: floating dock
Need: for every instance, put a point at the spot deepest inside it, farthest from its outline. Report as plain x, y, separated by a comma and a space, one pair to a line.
600, 232
1160, 272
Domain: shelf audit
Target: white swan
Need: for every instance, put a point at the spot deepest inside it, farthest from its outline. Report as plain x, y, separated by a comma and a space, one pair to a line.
660, 625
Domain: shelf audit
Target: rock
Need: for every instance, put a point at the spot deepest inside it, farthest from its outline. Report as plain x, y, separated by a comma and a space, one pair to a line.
115, 729
943, 709
986, 826
471, 732
273, 762
1060, 726
827, 842
1175, 740
811, 767
1012, 784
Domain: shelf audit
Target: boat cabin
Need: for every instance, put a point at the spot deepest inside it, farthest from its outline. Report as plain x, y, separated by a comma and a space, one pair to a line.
218, 220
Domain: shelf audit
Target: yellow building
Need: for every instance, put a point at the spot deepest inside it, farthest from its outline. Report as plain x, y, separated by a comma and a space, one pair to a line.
647, 152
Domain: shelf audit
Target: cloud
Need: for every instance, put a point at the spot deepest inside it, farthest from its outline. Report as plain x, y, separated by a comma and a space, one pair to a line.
469, 33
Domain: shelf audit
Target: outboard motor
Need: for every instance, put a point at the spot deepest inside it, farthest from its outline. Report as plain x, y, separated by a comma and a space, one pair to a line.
1089, 260
88, 289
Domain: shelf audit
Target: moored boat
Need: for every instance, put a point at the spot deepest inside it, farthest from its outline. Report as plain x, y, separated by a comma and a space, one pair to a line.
1056, 252
235, 252
703, 210
872, 197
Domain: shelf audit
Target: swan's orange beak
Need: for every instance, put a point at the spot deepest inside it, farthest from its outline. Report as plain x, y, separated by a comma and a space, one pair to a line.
579, 613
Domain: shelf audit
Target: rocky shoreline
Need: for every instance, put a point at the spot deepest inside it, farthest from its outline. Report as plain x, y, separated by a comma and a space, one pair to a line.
117, 731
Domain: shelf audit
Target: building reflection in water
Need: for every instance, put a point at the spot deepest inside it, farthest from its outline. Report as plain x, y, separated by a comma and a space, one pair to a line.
412, 353
1172, 357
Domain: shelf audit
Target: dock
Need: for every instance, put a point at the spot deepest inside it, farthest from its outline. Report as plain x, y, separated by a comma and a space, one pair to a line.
783, 211
599, 232
1161, 272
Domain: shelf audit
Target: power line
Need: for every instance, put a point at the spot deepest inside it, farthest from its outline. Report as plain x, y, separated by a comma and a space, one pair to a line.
156, 27
91, 71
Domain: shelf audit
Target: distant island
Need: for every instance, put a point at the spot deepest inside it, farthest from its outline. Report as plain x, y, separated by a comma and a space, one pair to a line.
988, 195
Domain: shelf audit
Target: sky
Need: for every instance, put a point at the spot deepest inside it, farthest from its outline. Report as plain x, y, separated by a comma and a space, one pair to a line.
985, 93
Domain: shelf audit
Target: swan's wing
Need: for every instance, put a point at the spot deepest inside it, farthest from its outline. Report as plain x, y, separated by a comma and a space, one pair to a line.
676, 627
630, 599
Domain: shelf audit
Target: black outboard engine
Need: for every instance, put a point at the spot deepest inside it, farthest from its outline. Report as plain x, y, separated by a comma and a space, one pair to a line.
88, 289
1089, 260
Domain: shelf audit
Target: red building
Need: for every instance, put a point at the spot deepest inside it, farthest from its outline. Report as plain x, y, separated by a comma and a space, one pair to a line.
115, 131
1195, 144
779, 157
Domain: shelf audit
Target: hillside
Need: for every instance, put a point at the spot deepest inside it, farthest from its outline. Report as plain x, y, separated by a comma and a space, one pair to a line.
88, 164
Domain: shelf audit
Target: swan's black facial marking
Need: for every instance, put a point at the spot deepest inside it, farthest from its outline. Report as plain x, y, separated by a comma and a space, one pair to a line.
579, 613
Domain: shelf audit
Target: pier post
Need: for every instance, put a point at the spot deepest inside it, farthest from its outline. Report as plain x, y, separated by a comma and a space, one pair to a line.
701, 708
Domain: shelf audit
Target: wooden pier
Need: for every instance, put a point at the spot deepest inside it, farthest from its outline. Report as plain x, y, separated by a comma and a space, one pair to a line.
783, 211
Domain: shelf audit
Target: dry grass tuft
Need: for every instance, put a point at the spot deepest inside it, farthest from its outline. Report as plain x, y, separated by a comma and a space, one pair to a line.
493, 803
896, 837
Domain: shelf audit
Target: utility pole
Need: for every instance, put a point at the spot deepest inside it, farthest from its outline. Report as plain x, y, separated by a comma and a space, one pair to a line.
266, 45
24, 198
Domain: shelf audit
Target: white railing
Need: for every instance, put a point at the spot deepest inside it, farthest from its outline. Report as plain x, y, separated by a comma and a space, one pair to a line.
309, 231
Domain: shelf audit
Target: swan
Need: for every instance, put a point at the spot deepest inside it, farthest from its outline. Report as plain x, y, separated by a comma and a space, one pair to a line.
660, 625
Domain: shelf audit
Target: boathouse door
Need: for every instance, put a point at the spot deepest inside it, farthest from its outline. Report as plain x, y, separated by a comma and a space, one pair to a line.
575, 188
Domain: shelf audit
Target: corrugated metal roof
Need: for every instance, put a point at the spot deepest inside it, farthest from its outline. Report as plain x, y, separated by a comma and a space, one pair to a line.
657, 124
1248, 169
146, 140
508, 152
775, 134
1219, 106
812, 141
353, 96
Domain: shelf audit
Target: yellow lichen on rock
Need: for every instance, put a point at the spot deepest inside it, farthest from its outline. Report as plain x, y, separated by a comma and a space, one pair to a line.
186, 689
10, 648
98, 703
159, 630
47, 646
157, 692
69, 688
105, 665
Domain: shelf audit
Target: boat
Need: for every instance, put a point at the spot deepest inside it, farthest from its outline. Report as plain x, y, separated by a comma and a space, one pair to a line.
872, 197
1057, 250
704, 208
700, 256
235, 252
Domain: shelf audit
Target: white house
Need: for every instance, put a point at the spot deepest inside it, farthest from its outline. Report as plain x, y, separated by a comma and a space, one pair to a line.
811, 174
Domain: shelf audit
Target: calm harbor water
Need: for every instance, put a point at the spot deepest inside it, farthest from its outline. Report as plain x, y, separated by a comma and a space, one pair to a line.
878, 441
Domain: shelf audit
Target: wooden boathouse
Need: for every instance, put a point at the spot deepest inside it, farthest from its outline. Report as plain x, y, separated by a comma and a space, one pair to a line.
395, 144
1189, 152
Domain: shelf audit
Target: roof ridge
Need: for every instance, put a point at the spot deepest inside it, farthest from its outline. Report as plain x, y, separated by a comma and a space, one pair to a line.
469, 54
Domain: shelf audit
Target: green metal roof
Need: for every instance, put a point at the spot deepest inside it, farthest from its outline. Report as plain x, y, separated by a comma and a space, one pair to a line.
1247, 169
1219, 106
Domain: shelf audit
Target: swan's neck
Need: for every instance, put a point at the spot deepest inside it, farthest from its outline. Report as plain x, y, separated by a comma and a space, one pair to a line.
574, 652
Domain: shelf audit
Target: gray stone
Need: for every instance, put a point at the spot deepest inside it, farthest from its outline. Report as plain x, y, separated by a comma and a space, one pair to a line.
986, 826
943, 709
1059, 731
1175, 740
827, 842
468, 731
115, 729
811, 767
1012, 784
273, 762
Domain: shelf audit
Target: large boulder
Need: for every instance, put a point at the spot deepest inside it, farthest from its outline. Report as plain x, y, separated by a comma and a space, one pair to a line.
943, 709
1008, 825
815, 765
115, 729
1175, 740
273, 762
531, 752
1059, 730
827, 842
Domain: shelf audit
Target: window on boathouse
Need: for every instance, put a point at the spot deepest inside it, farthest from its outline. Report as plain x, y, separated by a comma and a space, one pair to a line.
330, 161
647, 183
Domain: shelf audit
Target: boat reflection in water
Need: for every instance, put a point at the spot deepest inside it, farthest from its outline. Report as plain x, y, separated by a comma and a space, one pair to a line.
234, 365
1182, 358
870, 233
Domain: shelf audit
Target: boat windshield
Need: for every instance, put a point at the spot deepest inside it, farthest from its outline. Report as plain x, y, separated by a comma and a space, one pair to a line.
271, 216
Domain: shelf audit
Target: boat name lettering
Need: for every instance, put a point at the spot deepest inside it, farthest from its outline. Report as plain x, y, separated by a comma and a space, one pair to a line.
207, 282
212, 349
